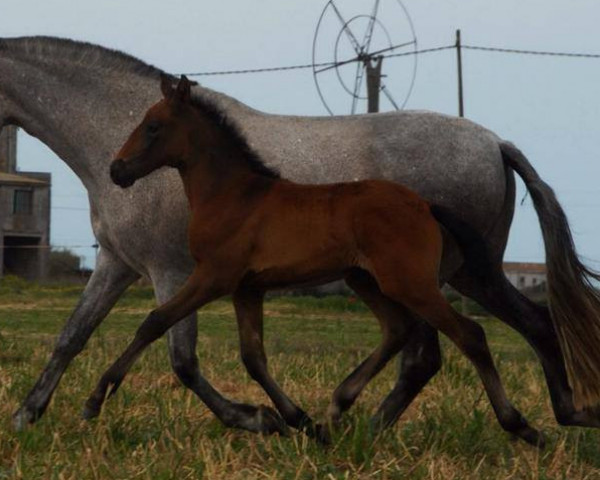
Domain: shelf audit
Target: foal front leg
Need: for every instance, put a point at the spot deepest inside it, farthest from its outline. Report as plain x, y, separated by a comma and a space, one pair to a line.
195, 293
248, 305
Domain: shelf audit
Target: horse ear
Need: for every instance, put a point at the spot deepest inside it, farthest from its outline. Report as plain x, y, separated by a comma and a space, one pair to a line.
166, 87
184, 89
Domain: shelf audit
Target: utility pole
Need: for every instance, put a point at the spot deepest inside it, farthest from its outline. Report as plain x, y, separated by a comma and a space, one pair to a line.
461, 109
461, 113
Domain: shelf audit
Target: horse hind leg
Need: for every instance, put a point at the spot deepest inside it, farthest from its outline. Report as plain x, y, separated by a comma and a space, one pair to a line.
424, 298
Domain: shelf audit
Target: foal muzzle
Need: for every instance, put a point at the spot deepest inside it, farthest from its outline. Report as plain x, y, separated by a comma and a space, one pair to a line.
119, 175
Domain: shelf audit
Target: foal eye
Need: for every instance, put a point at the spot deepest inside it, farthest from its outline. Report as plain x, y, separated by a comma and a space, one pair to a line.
152, 128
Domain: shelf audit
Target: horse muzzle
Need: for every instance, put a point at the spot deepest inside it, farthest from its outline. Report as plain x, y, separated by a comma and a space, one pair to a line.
119, 174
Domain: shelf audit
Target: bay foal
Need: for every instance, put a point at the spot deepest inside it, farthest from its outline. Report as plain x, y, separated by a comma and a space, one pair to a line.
251, 231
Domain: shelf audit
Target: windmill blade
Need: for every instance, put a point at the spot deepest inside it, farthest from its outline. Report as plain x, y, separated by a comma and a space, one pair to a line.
369, 31
357, 85
372, 54
389, 96
338, 64
351, 37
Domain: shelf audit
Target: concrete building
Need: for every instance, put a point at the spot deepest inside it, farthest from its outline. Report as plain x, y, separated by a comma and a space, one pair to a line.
24, 214
526, 275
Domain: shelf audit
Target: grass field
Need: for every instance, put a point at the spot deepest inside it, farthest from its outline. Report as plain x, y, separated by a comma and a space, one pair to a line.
154, 429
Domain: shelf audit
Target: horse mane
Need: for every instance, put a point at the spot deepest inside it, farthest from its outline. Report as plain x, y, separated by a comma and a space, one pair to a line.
219, 119
77, 52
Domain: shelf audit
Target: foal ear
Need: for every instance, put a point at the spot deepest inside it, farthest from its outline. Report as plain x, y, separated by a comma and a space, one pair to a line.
166, 87
184, 89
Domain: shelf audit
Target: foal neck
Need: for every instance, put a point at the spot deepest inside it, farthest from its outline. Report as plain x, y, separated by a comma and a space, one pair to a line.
220, 163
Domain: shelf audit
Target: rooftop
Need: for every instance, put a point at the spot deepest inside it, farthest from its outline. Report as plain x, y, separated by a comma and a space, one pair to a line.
519, 267
19, 179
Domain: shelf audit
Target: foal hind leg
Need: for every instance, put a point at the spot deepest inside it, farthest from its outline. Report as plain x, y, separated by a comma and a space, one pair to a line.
248, 305
396, 325
493, 291
425, 299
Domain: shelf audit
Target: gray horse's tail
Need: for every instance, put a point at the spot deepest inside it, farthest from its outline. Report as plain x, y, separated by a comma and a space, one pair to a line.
573, 301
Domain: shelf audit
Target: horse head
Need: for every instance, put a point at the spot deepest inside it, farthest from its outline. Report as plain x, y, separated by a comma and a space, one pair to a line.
159, 140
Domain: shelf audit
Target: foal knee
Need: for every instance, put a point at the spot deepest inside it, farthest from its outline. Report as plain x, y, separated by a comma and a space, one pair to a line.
152, 327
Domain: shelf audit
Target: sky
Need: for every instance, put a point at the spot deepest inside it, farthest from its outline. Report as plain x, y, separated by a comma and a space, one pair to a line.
548, 106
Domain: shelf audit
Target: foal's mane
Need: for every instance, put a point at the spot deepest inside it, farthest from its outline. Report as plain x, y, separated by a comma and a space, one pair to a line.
66, 51
219, 119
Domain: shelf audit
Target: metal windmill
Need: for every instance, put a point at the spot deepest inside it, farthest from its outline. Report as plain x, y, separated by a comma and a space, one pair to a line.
353, 46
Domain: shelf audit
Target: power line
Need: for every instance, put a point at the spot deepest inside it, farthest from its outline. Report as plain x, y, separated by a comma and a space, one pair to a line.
46, 247
402, 54
532, 52
307, 65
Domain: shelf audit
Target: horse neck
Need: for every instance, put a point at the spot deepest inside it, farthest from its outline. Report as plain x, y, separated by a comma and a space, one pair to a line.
81, 123
80, 109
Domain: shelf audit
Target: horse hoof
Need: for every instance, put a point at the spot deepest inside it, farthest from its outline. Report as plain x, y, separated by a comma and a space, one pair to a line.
22, 418
270, 421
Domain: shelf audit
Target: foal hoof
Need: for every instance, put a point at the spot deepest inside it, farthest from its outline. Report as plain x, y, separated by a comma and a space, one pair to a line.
532, 437
90, 410
321, 434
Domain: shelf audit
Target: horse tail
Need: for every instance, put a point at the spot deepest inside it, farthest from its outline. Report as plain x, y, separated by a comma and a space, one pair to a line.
573, 301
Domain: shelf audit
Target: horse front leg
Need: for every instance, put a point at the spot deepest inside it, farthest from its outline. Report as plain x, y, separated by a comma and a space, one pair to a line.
110, 279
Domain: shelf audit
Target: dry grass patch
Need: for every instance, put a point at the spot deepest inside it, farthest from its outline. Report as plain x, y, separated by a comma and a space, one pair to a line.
155, 429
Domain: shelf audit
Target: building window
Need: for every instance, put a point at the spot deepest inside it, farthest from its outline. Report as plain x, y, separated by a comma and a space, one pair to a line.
521, 282
534, 281
23, 202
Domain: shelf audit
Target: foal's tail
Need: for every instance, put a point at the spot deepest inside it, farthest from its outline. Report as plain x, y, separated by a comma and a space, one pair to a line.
573, 301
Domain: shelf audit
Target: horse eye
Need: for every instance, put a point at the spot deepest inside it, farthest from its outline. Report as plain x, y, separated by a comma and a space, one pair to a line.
152, 128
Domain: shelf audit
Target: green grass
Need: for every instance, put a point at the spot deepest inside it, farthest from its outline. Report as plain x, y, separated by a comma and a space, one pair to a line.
155, 429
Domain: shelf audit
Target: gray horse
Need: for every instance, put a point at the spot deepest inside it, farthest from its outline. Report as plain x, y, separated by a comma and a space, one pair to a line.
82, 101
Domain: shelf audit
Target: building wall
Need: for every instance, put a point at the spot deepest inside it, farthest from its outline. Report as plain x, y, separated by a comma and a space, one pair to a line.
24, 235
8, 149
525, 279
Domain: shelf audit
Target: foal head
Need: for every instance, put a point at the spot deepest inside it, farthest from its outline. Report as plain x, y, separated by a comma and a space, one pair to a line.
162, 139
